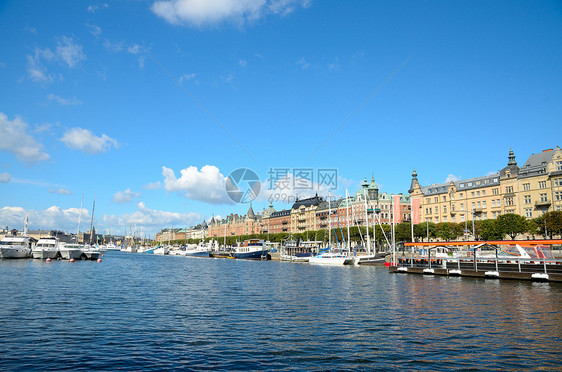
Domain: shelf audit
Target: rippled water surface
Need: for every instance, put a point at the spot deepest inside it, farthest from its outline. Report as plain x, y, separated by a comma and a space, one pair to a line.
135, 311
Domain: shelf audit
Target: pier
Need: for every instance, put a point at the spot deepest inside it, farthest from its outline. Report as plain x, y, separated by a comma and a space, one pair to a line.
517, 260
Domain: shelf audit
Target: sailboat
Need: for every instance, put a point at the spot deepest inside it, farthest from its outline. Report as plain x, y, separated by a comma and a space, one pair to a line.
327, 257
73, 251
91, 251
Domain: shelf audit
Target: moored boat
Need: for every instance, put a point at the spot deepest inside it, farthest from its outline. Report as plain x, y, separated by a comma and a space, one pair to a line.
47, 247
251, 249
15, 247
331, 258
71, 251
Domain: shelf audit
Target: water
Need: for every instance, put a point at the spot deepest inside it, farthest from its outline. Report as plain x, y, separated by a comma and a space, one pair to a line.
134, 312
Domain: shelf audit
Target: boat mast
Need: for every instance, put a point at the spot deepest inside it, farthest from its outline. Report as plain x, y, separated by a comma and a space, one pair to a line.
92, 223
329, 221
79, 220
347, 217
367, 222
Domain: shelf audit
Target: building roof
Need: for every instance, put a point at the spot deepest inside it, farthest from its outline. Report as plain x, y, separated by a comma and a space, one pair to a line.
471, 183
536, 164
315, 200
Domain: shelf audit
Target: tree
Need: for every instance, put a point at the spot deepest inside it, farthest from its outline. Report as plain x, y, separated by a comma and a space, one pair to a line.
448, 231
512, 224
421, 229
403, 232
489, 230
549, 224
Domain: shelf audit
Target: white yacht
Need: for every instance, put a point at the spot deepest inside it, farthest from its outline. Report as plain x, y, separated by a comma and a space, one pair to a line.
71, 251
15, 247
47, 247
162, 250
330, 258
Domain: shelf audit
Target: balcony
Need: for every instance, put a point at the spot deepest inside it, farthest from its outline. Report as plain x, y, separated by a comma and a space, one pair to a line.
542, 204
477, 210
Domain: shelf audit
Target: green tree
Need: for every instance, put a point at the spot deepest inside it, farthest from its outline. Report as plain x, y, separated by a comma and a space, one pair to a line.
489, 230
448, 230
512, 224
421, 229
549, 224
403, 232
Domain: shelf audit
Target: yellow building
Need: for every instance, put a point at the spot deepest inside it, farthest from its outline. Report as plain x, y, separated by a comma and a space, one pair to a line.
530, 191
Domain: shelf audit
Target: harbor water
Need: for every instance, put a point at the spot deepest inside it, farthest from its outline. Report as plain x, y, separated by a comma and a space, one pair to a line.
146, 312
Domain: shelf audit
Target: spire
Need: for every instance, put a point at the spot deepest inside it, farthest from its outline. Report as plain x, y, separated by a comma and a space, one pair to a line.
414, 181
511, 157
251, 213
365, 184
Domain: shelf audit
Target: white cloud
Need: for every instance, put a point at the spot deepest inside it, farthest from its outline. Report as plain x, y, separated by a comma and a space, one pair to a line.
125, 196
5, 177
51, 218
207, 12
452, 178
95, 8
69, 51
36, 71
60, 191
84, 140
94, 29
207, 185
242, 62
153, 185
114, 46
14, 139
64, 101
150, 219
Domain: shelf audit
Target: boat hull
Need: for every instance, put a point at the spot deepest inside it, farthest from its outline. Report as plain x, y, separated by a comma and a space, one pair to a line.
253, 255
15, 252
69, 254
331, 259
197, 253
44, 253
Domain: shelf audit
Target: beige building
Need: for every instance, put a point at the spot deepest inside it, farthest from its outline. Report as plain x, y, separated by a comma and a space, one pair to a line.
530, 191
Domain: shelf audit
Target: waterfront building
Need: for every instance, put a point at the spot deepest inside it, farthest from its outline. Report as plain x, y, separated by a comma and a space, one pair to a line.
530, 191
234, 225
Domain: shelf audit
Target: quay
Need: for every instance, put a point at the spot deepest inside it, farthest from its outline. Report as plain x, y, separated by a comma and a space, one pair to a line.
516, 260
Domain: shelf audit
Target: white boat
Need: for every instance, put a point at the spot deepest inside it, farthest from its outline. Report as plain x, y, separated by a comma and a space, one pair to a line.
111, 246
251, 249
162, 250
47, 247
129, 249
146, 249
92, 252
15, 247
200, 250
71, 251
331, 258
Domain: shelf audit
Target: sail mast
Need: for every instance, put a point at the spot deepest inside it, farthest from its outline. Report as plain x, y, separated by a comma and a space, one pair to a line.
92, 223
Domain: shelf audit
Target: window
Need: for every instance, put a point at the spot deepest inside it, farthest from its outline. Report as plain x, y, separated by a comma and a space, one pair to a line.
559, 165
495, 191
452, 207
542, 185
436, 219
444, 209
478, 205
509, 201
483, 192
493, 203
528, 212
427, 201
484, 204
494, 214
454, 219
429, 210
509, 189
543, 198
527, 199
485, 215
436, 199
473, 205
462, 217
445, 219
472, 194
444, 198
461, 196
526, 186
558, 195
462, 207
477, 193
558, 182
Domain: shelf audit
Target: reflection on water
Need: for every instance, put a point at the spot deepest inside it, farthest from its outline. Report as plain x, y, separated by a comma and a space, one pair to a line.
136, 311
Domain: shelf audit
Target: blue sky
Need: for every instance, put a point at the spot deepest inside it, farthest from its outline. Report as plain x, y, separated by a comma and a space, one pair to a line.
149, 105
